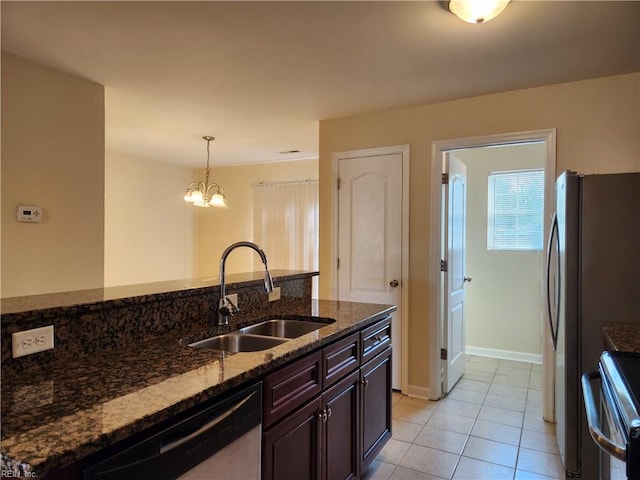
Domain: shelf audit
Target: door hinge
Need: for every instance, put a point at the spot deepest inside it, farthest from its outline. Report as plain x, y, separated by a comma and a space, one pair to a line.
338, 263
443, 354
445, 178
443, 266
338, 183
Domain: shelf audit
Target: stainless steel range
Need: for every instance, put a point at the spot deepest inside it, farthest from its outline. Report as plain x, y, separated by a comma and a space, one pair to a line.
615, 428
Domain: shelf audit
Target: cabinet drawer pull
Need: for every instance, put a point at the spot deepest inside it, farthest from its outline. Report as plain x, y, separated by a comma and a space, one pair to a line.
364, 382
378, 338
323, 415
328, 413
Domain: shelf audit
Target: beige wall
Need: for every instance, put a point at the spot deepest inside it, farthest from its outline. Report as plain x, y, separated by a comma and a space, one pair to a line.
149, 228
53, 143
503, 303
52, 157
218, 228
598, 130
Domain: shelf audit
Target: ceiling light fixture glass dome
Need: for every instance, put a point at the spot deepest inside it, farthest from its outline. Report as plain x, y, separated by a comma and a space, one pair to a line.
477, 11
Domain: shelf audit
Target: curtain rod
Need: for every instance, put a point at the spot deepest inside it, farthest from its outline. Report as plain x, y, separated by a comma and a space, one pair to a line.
280, 184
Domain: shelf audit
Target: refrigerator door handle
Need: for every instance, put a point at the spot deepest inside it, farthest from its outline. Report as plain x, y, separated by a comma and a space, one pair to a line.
553, 234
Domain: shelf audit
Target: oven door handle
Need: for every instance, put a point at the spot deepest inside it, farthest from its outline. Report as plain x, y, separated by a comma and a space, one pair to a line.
605, 444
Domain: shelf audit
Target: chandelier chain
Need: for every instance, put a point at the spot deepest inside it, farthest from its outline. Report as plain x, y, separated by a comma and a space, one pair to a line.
206, 179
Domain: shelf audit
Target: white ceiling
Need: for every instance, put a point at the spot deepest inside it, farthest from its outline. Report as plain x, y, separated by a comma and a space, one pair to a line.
259, 76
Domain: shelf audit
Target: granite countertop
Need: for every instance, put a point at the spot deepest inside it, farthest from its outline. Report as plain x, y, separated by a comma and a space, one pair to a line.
52, 303
73, 409
622, 337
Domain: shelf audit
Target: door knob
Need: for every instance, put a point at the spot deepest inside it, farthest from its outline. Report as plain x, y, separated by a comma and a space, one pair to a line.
394, 283
466, 279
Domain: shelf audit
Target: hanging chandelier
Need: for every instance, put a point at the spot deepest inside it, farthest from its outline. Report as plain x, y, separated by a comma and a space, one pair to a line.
204, 194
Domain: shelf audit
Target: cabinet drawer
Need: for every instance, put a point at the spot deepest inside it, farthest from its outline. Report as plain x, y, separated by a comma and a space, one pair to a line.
291, 386
375, 339
340, 358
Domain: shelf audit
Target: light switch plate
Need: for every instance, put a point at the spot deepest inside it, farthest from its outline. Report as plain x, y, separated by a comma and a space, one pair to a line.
233, 298
275, 295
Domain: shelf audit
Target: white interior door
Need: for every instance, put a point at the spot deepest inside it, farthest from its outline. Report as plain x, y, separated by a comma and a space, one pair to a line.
370, 238
455, 273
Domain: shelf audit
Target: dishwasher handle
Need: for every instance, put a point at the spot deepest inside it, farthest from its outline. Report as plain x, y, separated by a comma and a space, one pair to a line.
207, 426
605, 444
172, 451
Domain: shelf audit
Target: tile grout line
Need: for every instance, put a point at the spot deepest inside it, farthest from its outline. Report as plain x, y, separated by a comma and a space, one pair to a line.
529, 392
521, 428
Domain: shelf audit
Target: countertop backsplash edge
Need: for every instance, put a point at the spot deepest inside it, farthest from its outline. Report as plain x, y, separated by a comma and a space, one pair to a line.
86, 328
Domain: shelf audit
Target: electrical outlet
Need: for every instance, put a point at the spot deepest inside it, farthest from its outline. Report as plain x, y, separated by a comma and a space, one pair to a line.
32, 341
275, 295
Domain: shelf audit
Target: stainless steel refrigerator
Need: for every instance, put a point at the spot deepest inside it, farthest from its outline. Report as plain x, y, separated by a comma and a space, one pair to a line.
593, 277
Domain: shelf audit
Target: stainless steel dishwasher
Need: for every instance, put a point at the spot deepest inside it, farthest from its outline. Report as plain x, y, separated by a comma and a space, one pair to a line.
222, 441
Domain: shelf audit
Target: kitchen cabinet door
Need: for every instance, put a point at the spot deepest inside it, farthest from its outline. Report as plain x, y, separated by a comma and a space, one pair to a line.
341, 439
375, 383
291, 449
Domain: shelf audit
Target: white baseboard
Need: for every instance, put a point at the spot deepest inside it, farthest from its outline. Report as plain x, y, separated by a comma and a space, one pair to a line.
423, 392
416, 391
503, 354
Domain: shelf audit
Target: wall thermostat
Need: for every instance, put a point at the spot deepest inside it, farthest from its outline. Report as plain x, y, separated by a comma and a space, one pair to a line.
29, 214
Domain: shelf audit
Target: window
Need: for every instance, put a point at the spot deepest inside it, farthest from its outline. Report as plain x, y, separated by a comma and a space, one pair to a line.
285, 225
515, 210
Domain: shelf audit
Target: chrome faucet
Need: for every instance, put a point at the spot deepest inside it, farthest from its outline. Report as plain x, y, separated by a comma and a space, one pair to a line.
226, 306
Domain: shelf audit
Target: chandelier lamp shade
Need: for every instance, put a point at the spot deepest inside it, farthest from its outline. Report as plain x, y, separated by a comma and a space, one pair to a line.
205, 194
477, 11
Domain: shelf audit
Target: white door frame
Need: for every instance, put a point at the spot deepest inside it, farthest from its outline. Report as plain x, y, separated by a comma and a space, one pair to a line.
435, 255
371, 152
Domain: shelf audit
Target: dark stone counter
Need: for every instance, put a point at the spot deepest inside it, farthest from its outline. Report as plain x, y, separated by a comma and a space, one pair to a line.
56, 414
52, 304
622, 337
90, 321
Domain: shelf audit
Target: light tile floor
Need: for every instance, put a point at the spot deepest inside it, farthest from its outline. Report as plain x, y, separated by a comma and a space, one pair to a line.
489, 427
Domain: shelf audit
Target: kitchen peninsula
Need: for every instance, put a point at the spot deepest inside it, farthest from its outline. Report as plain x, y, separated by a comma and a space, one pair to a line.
121, 363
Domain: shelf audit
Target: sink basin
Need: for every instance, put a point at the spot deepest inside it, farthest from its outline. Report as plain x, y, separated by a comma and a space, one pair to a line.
284, 327
234, 342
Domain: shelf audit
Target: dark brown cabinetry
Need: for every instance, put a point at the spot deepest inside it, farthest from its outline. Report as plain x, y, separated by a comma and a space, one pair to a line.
334, 433
375, 378
290, 387
375, 339
341, 429
290, 448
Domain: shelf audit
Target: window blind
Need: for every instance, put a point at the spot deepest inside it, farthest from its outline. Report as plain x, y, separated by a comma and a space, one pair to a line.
515, 210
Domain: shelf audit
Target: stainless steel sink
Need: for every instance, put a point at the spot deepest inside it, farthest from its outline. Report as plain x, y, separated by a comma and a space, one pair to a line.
284, 327
264, 335
234, 342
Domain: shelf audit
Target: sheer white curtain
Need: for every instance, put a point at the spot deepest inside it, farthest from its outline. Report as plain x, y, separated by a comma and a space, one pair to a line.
285, 224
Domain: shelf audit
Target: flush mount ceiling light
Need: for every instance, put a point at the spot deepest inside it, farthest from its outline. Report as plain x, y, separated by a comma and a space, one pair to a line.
477, 11
203, 194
